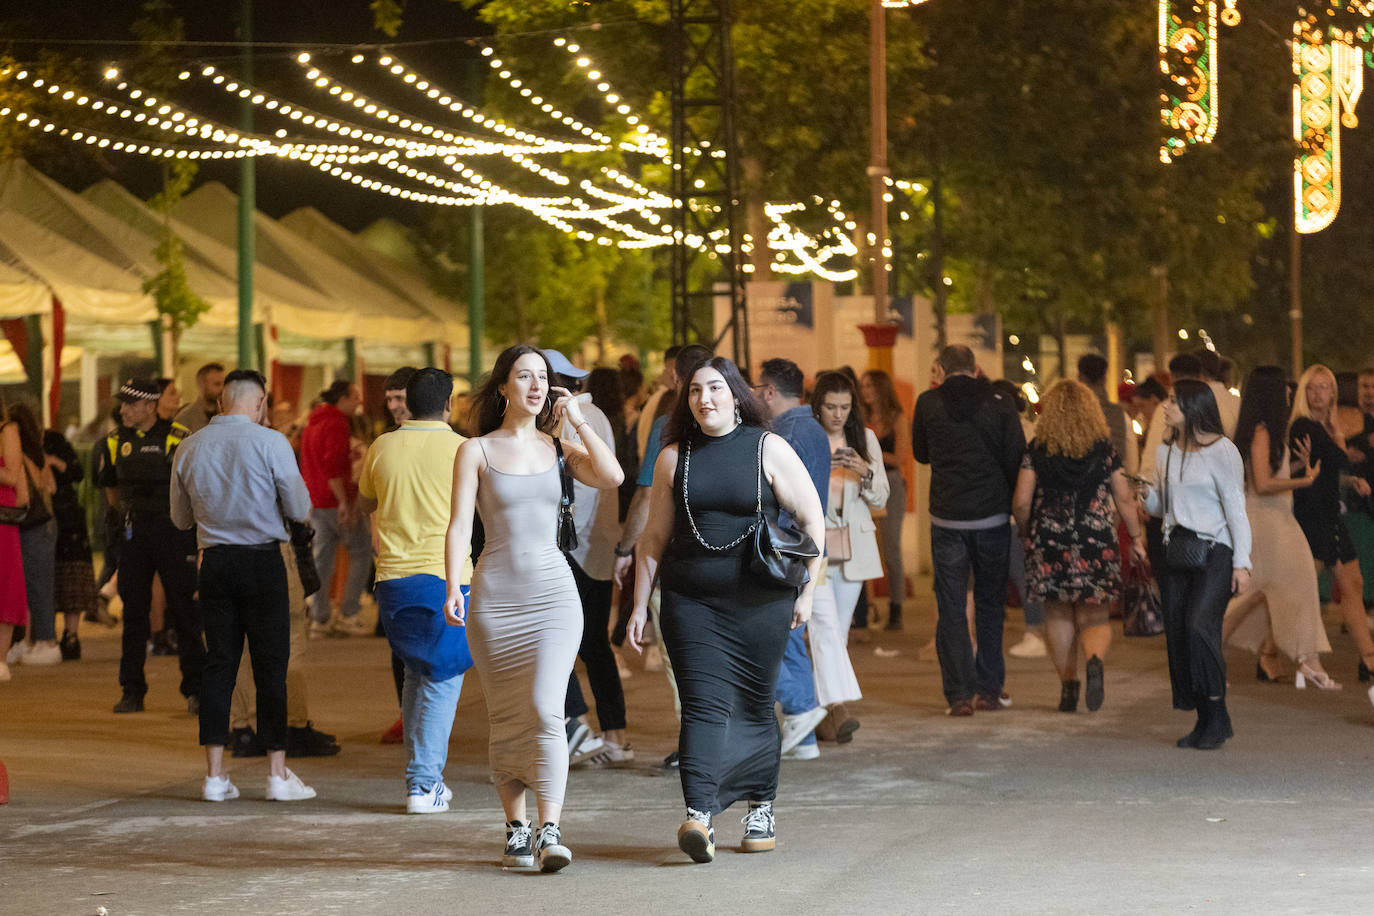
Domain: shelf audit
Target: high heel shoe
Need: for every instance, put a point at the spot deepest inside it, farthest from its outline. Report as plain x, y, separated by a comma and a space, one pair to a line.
1320, 679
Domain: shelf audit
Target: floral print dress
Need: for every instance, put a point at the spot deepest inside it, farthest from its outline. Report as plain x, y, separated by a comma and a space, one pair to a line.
1072, 553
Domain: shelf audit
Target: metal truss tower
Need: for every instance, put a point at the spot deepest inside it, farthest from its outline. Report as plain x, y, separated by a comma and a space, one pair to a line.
705, 179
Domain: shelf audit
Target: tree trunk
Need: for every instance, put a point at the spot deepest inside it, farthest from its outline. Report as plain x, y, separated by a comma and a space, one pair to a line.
756, 221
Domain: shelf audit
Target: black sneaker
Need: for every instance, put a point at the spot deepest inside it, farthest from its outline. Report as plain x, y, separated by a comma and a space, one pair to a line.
697, 837
668, 767
70, 646
760, 834
306, 742
549, 849
243, 742
519, 845
130, 702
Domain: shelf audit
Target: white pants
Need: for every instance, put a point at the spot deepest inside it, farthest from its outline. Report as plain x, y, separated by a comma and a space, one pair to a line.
832, 609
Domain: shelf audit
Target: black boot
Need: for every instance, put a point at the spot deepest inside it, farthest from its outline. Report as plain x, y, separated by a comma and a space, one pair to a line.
1068, 696
1218, 727
1191, 739
894, 616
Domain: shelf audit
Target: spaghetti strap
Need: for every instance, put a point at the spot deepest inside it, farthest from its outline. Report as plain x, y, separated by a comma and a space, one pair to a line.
485, 460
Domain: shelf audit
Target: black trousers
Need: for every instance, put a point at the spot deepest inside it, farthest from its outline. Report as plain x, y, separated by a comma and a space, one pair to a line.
595, 652
1194, 604
157, 547
243, 593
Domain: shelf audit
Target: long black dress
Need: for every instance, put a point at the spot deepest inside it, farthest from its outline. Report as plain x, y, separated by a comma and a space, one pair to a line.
1318, 507
724, 627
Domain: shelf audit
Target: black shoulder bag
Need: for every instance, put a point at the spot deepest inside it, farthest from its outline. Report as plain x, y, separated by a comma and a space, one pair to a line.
1187, 550
781, 552
567, 528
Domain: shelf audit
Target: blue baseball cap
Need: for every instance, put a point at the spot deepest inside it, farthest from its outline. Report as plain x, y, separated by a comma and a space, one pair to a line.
562, 366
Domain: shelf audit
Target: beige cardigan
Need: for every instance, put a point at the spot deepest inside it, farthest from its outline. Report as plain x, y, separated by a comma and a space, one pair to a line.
864, 562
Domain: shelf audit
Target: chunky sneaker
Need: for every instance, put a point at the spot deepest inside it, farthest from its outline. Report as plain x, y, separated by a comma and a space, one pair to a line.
130, 702
218, 789
289, 789
432, 801
697, 837
610, 754
550, 851
519, 845
16, 653
578, 732
795, 728
43, 653
351, 626
810, 751
759, 829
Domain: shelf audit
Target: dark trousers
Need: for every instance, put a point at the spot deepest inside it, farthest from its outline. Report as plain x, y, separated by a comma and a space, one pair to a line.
156, 546
595, 652
243, 594
985, 552
1194, 604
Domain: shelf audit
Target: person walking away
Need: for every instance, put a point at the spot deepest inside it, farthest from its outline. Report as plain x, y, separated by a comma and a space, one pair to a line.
1199, 492
725, 626
232, 482
857, 485
971, 438
14, 491
406, 484
394, 389
38, 544
780, 390
74, 588
1032, 643
137, 476
1069, 495
524, 622
1281, 611
1092, 371
887, 419
327, 468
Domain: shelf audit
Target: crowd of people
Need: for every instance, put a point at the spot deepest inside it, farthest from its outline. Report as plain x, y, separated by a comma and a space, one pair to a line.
736, 530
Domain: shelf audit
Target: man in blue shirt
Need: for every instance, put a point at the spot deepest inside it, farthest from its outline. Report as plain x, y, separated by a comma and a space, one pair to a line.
780, 389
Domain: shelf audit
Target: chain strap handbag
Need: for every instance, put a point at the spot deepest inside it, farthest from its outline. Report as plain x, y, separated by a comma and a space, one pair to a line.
567, 527
781, 552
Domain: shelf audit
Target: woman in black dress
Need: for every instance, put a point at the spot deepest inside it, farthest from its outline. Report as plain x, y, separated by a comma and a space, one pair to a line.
1313, 436
1068, 496
75, 593
724, 626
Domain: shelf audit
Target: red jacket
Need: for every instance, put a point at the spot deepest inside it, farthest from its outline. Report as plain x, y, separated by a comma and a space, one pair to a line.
325, 455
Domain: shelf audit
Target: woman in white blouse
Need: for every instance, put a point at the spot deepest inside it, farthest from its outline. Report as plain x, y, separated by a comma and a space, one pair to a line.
1199, 491
857, 484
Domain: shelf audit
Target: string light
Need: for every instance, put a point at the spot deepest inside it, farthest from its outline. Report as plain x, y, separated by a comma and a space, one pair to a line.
784, 239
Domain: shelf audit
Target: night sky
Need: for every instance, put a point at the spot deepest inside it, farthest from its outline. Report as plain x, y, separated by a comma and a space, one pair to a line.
69, 27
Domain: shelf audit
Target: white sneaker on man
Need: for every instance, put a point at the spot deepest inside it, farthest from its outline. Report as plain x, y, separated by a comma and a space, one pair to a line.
289, 789
803, 752
218, 789
352, 626
1032, 645
434, 801
796, 728
43, 653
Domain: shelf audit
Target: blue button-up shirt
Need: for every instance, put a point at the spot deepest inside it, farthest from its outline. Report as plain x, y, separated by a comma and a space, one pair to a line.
807, 437
234, 480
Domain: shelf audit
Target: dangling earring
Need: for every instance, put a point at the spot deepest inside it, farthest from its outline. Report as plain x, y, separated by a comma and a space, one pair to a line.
504, 404
738, 418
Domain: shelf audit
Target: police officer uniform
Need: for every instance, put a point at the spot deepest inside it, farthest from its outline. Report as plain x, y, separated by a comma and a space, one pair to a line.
139, 464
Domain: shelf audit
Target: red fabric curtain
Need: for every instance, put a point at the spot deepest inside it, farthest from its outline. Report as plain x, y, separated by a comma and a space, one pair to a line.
18, 336
59, 338
286, 384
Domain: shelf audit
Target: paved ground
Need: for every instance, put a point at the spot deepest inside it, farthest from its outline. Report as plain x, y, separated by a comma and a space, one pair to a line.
1021, 811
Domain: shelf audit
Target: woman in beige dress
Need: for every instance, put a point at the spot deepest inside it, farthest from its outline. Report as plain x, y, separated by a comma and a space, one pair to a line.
1281, 613
525, 620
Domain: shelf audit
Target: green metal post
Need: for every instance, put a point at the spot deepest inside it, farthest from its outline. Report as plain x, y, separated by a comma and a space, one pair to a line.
260, 346
351, 359
429, 353
159, 351
247, 193
477, 297
33, 360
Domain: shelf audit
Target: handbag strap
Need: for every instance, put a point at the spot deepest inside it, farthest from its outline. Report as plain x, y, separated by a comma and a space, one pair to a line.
758, 496
564, 478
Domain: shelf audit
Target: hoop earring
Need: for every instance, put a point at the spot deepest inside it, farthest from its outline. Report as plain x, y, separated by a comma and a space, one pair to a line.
504, 404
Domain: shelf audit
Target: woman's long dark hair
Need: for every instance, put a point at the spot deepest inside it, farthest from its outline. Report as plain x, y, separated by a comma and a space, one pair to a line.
1264, 403
30, 431
840, 383
682, 424
1199, 408
604, 387
489, 404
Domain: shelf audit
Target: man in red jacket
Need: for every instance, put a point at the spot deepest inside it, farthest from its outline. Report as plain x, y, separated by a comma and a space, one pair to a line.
328, 473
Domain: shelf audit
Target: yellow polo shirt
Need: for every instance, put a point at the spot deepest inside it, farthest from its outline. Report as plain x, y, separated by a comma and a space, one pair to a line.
409, 472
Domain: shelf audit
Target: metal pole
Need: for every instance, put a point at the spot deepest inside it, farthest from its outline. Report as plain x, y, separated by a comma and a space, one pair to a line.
247, 195
33, 359
477, 296
877, 169
1295, 297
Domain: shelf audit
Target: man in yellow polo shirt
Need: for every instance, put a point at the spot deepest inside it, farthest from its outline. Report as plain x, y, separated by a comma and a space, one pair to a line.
407, 478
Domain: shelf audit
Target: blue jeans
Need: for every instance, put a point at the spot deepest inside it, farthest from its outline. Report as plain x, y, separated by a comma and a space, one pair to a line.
38, 547
956, 553
427, 710
357, 540
796, 689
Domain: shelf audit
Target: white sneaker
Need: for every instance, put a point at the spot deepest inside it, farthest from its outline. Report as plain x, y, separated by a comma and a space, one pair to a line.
435, 801
795, 728
16, 653
352, 626
43, 653
289, 789
320, 630
218, 789
589, 748
610, 754
803, 752
1032, 645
